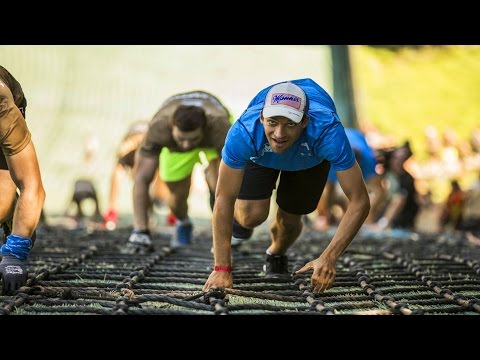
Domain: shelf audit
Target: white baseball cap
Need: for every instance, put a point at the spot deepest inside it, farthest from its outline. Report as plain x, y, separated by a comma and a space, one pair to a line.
285, 99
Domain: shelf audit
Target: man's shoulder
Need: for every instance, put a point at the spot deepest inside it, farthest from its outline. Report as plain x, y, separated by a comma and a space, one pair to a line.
161, 118
197, 98
159, 131
5, 76
248, 121
8, 80
217, 122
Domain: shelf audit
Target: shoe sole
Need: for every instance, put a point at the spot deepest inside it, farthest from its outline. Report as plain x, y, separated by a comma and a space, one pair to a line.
137, 251
278, 276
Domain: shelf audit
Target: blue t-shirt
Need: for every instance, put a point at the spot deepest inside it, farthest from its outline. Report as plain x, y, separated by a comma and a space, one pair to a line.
367, 161
324, 137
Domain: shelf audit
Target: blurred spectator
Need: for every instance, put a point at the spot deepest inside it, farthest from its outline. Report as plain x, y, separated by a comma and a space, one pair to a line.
402, 205
434, 143
333, 195
125, 161
375, 139
84, 188
451, 164
471, 207
475, 140
453, 209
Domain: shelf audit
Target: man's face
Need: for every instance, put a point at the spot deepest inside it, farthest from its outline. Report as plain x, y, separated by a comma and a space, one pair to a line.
282, 132
187, 140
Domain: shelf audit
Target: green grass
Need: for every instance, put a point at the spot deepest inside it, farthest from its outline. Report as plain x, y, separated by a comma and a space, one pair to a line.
171, 285
334, 304
241, 300
343, 290
471, 293
381, 288
81, 280
402, 92
20, 311
414, 292
167, 306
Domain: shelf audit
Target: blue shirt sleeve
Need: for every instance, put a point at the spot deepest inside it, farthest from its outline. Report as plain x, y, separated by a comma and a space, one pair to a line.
238, 148
336, 148
367, 160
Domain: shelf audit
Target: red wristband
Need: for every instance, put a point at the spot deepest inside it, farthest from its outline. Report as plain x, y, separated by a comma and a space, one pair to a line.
221, 268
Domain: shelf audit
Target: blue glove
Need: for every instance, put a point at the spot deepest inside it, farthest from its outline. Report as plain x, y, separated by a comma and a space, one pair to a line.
14, 274
12, 267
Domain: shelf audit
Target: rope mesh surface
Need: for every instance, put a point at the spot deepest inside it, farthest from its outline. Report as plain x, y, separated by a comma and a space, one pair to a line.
78, 272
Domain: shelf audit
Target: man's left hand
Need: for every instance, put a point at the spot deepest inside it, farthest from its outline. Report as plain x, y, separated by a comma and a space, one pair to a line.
324, 273
14, 274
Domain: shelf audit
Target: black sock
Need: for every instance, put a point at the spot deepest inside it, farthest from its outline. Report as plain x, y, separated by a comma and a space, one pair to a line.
240, 232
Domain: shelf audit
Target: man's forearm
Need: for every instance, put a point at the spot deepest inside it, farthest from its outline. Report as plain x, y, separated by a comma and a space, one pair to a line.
27, 212
351, 222
375, 201
140, 205
222, 231
395, 207
115, 187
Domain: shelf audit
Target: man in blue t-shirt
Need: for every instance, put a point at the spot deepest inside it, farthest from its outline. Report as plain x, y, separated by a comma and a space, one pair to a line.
331, 196
292, 130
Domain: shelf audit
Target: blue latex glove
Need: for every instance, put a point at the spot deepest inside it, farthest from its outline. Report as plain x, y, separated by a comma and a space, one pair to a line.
13, 270
14, 274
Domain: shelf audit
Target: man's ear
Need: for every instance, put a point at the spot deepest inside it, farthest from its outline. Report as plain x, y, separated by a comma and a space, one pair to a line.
305, 121
261, 116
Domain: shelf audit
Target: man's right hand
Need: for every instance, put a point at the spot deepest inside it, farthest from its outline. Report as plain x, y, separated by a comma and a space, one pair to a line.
14, 274
218, 280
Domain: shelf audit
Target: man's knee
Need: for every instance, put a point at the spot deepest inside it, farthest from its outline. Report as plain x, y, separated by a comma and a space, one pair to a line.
8, 194
289, 221
176, 200
179, 191
241, 232
251, 220
250, 214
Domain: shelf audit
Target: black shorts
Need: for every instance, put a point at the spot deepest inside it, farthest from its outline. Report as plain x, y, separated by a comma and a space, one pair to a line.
84, 189
3, 161
298, 191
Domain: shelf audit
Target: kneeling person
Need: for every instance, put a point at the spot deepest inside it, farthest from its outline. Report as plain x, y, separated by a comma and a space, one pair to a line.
290, 130
186, 124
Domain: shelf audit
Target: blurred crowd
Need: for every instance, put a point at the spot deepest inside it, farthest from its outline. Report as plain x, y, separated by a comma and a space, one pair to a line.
436, 193
439, 192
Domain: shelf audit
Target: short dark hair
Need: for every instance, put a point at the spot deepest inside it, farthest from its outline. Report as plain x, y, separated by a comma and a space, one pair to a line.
189, 118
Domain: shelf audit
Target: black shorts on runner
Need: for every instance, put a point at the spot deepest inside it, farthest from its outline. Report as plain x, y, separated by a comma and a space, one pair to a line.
298, 191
